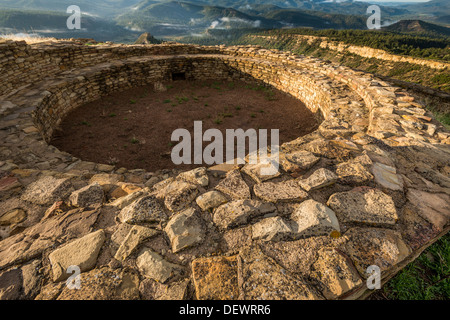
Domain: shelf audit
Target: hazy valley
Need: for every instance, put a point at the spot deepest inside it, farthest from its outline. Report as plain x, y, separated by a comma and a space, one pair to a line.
212, 21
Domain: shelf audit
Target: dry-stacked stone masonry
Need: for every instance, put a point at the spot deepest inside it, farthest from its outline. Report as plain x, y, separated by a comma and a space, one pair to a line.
369, 187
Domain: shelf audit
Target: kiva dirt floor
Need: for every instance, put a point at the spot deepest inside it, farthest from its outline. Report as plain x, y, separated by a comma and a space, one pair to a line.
133, 128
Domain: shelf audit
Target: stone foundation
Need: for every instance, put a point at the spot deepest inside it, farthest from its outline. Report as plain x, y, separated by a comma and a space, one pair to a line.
369, 187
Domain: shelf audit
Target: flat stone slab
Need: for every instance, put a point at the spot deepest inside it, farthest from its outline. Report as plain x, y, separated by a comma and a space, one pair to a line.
185, 230
211, 200
365, 206
154, 266
31, 279
179, 195
261, 172
47, 190
82, 253
272, 229
387, 176
312, 218
32, 242
197, 176
366, 247
328, 149
239, 212
279, 191
135, 237
87, 196
298, 161
353, 173
433, 207
13, 217
319, 179
264, 279
161, 188
216, 278
234, 186
144, 210
335, 273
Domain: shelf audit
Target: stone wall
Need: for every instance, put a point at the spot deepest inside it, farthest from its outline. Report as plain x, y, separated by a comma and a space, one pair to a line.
88, 73
371, 186
26, 64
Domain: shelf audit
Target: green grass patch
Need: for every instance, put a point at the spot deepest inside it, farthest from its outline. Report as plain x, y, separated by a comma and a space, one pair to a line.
182, 100
399, 70
442, 78
427, 278
444, 119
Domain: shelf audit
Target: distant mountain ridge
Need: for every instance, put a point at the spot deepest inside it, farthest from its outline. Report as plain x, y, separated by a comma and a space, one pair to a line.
176, 16
169, 19
419, 27
109, 8
435, 7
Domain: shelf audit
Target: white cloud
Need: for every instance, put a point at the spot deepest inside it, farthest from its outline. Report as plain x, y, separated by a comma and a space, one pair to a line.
214, 24
220, 24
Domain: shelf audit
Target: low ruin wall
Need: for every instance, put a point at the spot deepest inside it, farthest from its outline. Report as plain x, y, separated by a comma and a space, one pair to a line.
369, 187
